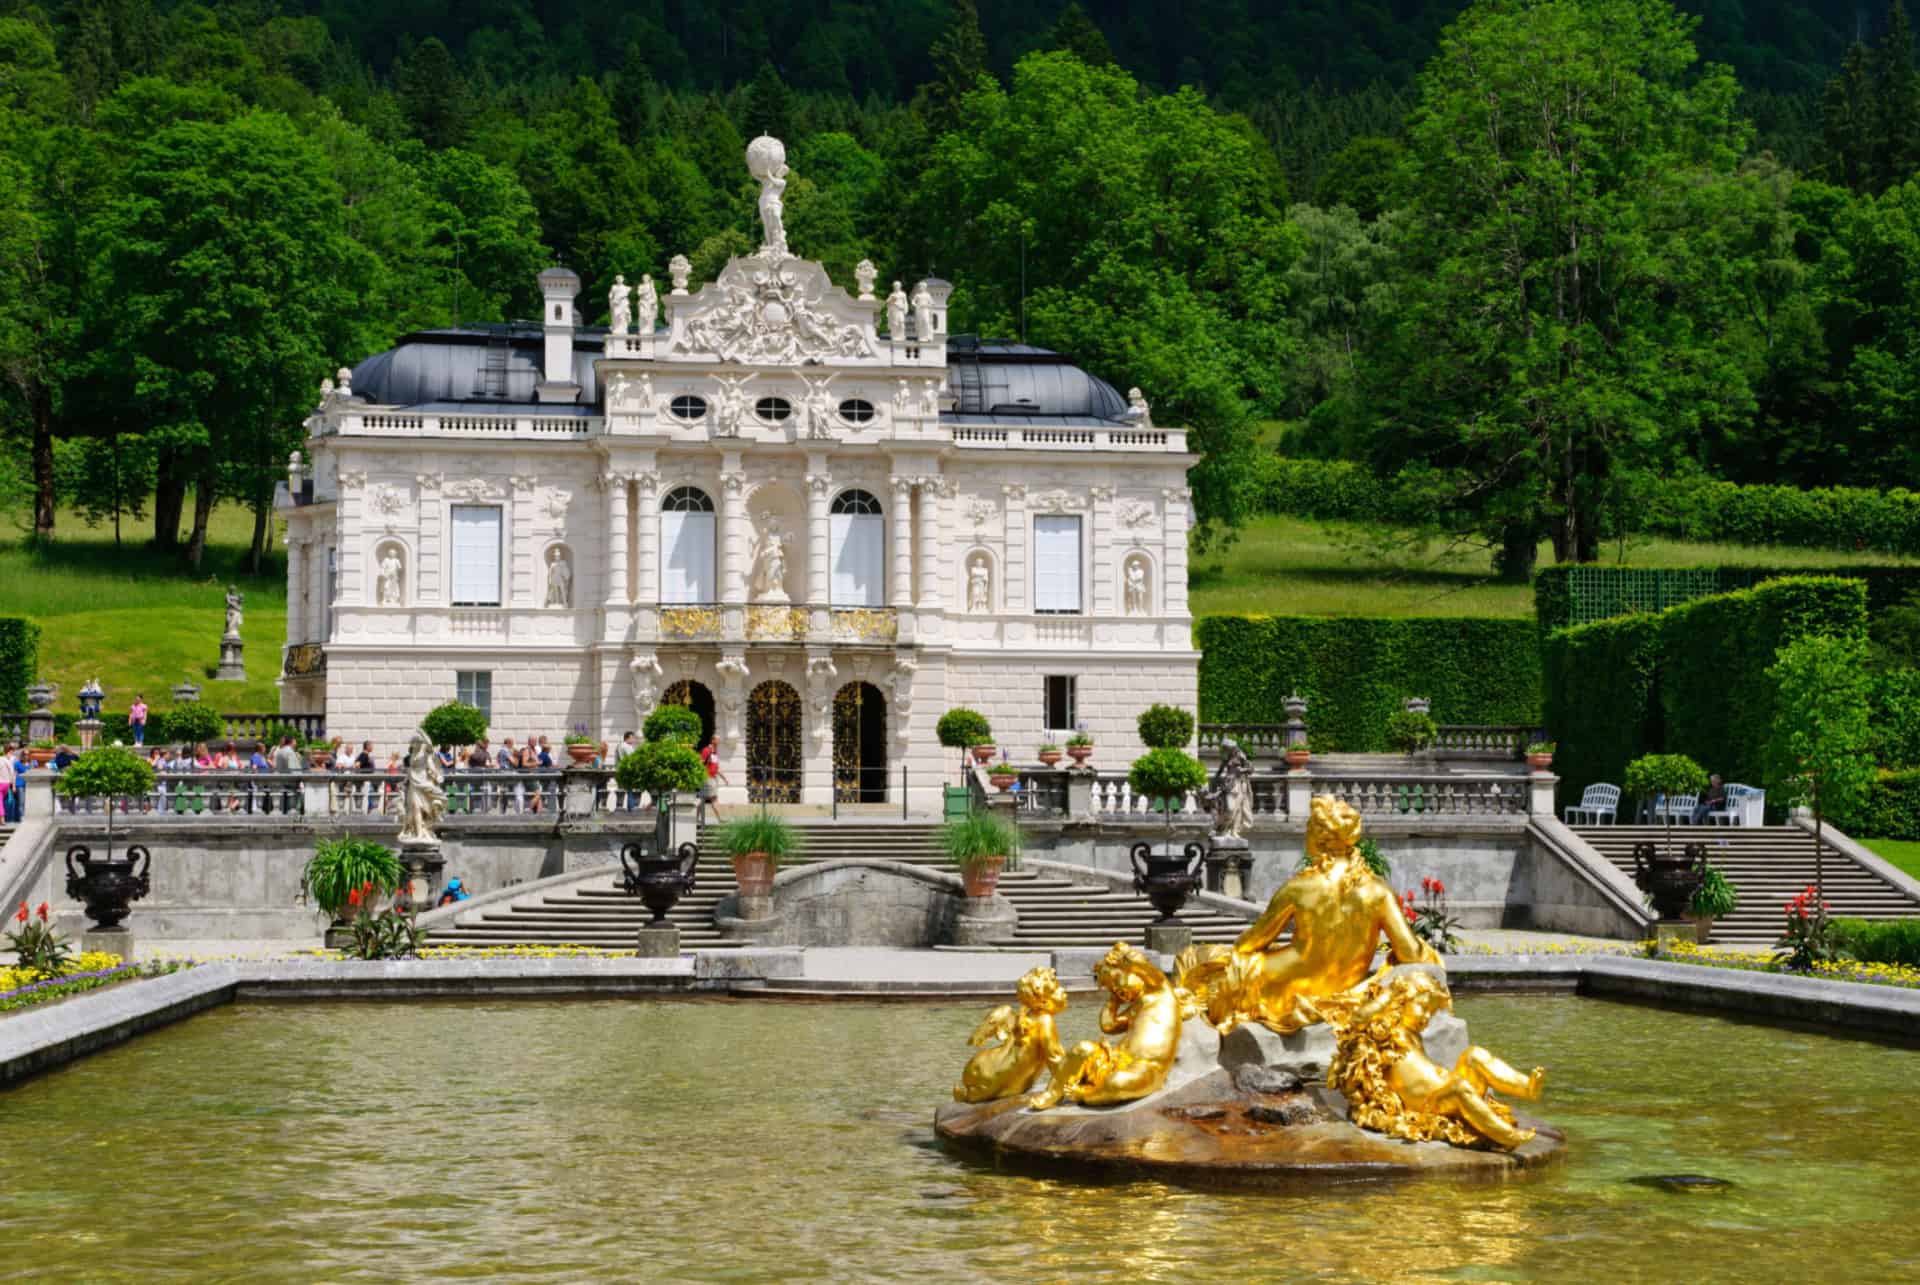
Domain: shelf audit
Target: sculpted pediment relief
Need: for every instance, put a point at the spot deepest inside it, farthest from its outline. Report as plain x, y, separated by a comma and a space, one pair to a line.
767, 311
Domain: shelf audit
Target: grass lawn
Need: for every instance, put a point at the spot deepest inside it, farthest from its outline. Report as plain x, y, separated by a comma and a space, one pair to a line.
1295, 566
1904, 853
140, 620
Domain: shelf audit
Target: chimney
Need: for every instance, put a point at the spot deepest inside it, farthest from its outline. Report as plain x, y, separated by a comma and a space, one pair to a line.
559, 286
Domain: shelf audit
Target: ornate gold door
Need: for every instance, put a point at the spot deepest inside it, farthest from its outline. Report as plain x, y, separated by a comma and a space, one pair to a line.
773, 743
859, 744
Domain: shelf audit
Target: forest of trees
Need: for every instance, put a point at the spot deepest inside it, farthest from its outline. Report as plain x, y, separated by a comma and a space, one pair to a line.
1524, 255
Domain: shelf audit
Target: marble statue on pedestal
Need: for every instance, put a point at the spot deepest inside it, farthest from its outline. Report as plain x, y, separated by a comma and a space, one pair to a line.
424, 801
922, 312
767, 162
235, 599
646, 306
897, 313
619, 309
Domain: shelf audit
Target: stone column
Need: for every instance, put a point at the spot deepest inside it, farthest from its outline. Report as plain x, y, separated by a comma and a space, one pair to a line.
524, 587
1100, 541
351, 517
615, 537
1172, 589
647, 528
733, 533
819, 533
902, 595
927, 535
1014, 578
297, 590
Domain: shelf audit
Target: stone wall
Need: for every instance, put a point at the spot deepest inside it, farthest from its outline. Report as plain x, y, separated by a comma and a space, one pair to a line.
862, 903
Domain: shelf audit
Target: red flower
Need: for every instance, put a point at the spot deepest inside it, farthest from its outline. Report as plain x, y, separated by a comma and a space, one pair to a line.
1440, 889
353, 897
22, 916
43, 912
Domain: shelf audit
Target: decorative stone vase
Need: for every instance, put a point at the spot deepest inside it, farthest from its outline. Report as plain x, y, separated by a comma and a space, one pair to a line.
753, 871
1079, 753
582, 755
1539, 762
1049, 757
1702, 929
982, 876
1003, 781
1669, 880
658, 881
982, 754
1167, 880
319, 760
1298, 758
40, 758
108, 885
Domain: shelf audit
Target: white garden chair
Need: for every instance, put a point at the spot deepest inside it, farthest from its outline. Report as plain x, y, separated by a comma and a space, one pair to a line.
1677, 808
1745, 805
1596, 801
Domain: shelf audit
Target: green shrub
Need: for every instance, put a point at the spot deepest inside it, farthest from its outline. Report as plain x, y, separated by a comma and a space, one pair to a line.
338, 866
1165, 727
1409, 730
1355, 671
454, 723
1716, 897
1891, 809
658, 768
19, 660
1880, 941
770, 835
673, 723
193, 723
1566, 596
1652, 775
962, 728
1896, 718
977, 836
106, 771
1166, 774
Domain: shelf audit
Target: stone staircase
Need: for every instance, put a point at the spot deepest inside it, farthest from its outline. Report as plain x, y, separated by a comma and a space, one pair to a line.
1768, 865
1055, 913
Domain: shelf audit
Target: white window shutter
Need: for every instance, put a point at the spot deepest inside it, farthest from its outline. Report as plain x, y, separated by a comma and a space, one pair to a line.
686, 572
859, 560
476, 555
1056, 564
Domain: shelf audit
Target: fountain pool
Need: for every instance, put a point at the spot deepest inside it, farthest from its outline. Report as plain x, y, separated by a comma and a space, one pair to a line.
716, 1140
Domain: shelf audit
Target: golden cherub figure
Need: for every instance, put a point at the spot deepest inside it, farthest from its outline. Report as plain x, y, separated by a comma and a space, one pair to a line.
1393, 1087
1029, 1041
1338, 911
1143, 1006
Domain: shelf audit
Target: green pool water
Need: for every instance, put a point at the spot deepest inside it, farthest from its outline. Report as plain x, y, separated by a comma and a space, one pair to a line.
689, 1140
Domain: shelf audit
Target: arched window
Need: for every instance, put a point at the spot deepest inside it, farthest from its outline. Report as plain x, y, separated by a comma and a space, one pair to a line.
773, 409
688, 407
686, 546
856, 410
858, 551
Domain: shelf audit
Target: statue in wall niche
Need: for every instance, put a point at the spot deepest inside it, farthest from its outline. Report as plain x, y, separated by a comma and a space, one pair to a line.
424, 801
1142, 1007
1028, 1041
1136, 594
922, 312
768, 581
619, 309
235, 600
767, 162
559, 578
897, 313
391, 570
1231, 793
979, 584
1338, 911
646, 306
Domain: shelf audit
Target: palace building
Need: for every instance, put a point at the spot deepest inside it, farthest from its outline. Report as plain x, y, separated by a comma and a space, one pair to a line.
812, 514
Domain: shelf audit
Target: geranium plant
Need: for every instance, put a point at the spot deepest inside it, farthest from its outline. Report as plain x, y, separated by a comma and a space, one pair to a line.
39, 949
1809, 938
1431, 919
380, 934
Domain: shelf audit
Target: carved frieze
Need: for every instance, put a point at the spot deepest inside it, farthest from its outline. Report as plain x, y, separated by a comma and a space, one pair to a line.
771, 313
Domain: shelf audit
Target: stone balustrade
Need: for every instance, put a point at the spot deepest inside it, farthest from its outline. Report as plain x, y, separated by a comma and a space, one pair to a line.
571, 794
1066, 793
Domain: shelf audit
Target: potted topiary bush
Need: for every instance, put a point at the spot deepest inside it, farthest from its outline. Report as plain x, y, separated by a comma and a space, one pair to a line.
980, 844
1166, 776
1669, 881
1540, 755
966, 730
1410, 731
1715, 898
756, 843
673, 723
454, 723
338, 869
107, 885
193, 723
1165, 727
662, 769
1080, 746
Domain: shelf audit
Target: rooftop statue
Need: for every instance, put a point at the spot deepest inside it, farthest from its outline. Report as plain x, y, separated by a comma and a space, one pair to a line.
646, 306
767, 162
1338, 911
619, 310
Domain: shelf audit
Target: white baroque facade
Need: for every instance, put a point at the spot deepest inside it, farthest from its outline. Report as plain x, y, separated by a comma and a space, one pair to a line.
813, 515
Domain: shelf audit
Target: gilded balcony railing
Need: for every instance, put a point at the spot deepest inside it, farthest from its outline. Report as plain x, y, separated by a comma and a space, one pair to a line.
690, 622
776, 622
865, 624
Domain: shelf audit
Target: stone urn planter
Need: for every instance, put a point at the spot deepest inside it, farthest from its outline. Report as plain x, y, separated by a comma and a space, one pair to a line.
1003, 780
982, 754
1049, 757
1167, 879
40, 757
1702, 929
1079, 753
319, 760
754, 871
660, 881
1298, 758
582, 755
982, 876
1668, 879
108, 885
1539, 762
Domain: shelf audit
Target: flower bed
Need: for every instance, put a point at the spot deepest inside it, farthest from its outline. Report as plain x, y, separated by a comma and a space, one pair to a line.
90, 970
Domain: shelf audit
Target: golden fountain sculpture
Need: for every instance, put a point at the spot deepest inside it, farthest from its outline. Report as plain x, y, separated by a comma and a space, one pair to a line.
1340, 915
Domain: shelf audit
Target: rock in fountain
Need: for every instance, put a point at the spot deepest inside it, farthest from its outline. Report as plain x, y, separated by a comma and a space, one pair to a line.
1258, 1062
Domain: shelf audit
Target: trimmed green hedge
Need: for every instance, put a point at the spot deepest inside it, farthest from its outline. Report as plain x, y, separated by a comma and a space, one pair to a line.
1689, 680
1332, 490
1896, 718
1880, 941
1355, 672
19, 661
1891, 809
1566, 596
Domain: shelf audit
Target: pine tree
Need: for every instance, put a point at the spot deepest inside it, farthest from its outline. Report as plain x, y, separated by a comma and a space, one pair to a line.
1844, 120
433, 94
1076, 33
1896, 102
959, 57
769, 106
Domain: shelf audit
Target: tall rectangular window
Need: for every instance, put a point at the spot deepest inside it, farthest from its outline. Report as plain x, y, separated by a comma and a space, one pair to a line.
1060, 710
1056, 565
476, 555
475, 687
686, 567
858, 573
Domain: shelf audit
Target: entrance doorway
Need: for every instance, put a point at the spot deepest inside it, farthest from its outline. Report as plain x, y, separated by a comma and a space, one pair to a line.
859, 744
773, 743
696, 697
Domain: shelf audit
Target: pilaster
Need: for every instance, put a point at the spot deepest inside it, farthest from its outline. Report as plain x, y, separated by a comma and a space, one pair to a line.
902, 541
1100, 540
1014, 587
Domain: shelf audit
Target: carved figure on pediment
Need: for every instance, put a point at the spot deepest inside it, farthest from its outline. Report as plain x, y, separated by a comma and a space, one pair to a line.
897, 313
979, 584
392, 569
903, 397
818, 409
619, 306
646, 306
922, 312
930, 400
